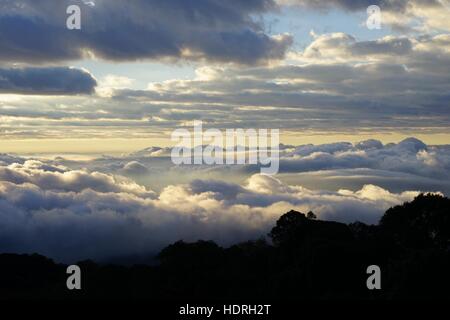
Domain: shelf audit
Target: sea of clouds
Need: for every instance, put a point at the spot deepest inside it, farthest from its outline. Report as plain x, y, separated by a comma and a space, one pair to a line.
138, 203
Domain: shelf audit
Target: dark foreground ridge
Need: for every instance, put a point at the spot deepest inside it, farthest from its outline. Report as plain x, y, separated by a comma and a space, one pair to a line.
308, 259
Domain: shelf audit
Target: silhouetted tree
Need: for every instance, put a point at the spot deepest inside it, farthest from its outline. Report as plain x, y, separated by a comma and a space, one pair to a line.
422, 223
294, 228
311, 215
288, 228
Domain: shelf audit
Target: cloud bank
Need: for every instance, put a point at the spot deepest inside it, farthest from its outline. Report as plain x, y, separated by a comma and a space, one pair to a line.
71, 214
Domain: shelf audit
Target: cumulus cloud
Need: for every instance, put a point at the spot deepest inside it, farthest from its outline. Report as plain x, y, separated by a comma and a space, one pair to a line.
134, 168
408, 156
35, 31
46, 81
56, 177
407, 165
70, 214
344, 47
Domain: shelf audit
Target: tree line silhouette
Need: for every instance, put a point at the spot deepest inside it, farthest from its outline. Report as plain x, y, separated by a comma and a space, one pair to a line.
305, 259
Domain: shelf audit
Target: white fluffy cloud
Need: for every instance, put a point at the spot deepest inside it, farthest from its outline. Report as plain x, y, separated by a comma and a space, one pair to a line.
50, 177
410, 155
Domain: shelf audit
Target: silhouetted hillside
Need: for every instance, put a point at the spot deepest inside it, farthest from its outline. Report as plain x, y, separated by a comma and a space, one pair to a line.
306, 259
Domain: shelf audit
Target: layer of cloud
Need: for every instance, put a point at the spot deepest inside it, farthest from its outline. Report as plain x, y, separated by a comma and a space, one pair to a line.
57, 208
337, 83
35, 31
407, 165
46, 81
409, 156
69, 215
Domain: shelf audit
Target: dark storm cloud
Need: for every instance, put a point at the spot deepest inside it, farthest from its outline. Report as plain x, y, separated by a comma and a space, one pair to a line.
46, 81
35, 31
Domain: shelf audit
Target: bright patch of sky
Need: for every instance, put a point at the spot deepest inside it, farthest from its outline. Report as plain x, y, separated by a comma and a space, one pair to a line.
141, 73
300, 22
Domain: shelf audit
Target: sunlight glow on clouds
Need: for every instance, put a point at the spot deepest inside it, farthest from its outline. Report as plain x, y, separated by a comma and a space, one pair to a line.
69, 214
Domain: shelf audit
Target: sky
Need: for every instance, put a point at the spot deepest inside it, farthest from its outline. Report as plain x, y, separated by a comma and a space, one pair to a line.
136, 72
86, 117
